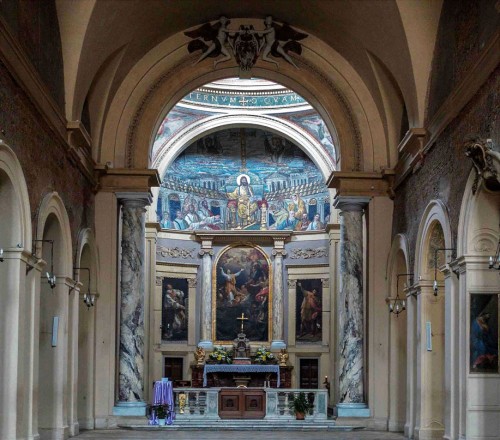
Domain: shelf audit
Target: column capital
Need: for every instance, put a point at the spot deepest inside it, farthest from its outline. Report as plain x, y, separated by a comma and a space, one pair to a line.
138, 199
126, 179
352, 203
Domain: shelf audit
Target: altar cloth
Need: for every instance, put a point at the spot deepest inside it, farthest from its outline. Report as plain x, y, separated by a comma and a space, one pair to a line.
230, 368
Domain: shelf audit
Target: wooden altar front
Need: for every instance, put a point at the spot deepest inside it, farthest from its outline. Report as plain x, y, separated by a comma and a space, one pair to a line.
227, 379
242, 403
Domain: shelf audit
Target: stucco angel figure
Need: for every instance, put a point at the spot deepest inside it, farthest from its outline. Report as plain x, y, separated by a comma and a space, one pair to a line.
279, 40
282, 357
486, 163
216, 34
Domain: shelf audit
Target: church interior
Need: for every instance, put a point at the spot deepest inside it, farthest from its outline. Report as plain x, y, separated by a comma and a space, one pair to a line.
241, 203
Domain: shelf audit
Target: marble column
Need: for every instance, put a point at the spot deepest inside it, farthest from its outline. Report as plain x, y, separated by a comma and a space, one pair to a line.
278, 252
131, 354
206, 296
350, 310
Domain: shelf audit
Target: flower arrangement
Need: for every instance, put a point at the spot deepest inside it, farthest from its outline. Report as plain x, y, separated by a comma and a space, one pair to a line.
221, 355
264, 356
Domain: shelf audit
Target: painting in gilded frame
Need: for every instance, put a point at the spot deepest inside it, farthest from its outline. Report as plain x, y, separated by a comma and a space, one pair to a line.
309, 297
174, 315
242, 285
484, 333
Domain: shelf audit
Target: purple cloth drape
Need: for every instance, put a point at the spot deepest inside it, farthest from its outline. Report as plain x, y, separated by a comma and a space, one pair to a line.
163, 394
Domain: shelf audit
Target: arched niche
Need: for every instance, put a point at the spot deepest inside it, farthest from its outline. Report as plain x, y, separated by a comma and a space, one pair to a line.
54, 330
399, 282
15, 241
434, 235
87, 275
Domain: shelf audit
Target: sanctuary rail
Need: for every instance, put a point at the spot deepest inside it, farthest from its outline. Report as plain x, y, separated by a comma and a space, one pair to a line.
203, 403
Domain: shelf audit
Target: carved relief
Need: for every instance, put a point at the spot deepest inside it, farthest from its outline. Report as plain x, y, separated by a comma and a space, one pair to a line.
309, 253
192, 282
292, 284
159, 281
486, 162
175, 252
326, 282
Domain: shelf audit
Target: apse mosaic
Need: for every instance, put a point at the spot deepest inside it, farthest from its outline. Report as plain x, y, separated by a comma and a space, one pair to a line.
242, 290
243, 178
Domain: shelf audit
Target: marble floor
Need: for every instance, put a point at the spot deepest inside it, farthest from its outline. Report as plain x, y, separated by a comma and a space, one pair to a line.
121, 434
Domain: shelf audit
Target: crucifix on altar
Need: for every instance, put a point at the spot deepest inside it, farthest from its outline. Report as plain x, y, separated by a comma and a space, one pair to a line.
242, 344
242, 319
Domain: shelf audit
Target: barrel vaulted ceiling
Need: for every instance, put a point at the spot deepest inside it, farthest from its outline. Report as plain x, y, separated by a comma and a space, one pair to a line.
376, 54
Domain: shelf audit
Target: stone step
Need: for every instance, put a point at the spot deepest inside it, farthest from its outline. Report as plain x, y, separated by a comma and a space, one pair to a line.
244, 425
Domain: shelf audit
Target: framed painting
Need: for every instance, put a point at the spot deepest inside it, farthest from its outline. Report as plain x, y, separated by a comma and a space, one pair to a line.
174, 310
308, 300
242, 286
484, 333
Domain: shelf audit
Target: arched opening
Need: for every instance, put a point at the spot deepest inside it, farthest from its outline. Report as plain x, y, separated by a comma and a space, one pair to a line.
53, 405
399, 284
431, 330
86, 340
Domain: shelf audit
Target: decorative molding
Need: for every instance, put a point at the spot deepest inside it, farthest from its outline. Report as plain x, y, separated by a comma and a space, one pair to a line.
159, 281
486, 163
175, 252
362, 184
126, 179
292, 284
309, 253
192, 282
325, 282
209, 238
279, 252
25, 74
411, 154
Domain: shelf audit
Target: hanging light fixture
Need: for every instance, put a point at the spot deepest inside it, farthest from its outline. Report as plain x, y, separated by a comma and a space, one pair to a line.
88, 298
51, 278
397, 304
435, 283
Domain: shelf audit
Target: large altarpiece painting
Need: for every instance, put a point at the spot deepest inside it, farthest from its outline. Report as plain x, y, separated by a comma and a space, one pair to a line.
241, 285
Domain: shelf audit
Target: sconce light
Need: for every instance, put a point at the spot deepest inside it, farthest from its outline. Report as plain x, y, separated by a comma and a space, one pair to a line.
88, 298
494, 262
51, 278
435, 283
1, 256
397, 304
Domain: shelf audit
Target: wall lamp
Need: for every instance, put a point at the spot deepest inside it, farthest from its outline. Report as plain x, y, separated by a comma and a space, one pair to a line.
397, 304
494, 262
51, 278
435, 283
88, 298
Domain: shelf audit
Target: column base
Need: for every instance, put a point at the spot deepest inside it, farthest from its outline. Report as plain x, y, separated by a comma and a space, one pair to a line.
207, 345
353, 410
277, 345
129, 409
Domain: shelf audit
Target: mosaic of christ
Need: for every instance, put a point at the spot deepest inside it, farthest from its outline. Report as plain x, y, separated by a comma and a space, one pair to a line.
242, 286
243, 179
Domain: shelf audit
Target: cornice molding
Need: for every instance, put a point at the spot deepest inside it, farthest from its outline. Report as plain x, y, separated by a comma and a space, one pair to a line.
25, 74
411, 154
126, 179
243, 237
362, 184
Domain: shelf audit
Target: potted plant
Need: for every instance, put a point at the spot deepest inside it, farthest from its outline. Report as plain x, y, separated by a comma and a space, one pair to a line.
161, 414
300, 405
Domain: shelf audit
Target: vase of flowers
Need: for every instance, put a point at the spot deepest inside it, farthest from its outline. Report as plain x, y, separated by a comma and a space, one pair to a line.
264, 356
221, 355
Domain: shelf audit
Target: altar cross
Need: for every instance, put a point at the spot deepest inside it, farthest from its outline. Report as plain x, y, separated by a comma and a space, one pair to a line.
242, 319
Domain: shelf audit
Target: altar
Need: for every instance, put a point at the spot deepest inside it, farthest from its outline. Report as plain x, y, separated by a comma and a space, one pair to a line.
243, 369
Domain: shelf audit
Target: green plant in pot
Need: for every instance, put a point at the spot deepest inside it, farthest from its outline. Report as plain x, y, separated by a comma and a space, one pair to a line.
300, 405
161, 414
